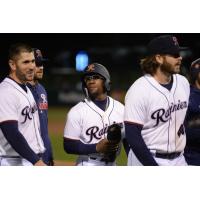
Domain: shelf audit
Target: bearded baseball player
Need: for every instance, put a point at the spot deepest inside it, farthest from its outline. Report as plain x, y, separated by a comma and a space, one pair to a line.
40, 96
93, 128
192, 122
156, 105
20, 139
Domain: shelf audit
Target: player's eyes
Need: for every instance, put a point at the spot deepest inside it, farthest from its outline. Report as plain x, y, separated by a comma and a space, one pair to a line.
94, 77
174, 55
27, 61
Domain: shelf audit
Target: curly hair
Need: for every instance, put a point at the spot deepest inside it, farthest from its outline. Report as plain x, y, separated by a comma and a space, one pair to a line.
149, 65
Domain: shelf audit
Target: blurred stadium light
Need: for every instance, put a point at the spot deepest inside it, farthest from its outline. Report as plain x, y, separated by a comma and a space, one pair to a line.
81, 60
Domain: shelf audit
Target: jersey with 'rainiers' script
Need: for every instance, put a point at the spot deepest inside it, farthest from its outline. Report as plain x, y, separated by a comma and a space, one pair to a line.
161, 112
89, 124
18, 105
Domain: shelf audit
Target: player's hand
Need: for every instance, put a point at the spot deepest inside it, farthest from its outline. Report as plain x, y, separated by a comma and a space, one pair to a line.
104, 146
40, 163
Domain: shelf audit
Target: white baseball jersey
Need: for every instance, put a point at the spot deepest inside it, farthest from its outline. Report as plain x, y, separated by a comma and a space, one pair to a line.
17, 105
160, 111
88, 123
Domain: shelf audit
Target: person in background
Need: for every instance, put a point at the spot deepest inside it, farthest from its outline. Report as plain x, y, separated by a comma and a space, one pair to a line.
40, 96
192, 122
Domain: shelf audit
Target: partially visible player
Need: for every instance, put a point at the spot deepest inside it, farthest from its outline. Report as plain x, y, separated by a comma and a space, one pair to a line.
192, 122
20, 139
40, 96
156, 105
89, 122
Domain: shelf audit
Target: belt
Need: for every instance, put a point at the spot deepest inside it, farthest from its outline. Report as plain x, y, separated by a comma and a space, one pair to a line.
169, 156
6, 156
100, 159
10, 156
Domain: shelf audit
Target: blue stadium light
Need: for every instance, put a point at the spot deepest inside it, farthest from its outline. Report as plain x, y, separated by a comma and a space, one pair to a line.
81, 60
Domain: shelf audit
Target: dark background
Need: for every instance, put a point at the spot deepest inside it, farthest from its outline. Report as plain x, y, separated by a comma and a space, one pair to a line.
119, 52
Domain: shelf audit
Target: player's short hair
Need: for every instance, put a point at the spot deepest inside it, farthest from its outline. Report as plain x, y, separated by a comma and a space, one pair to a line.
18, 48
149, 65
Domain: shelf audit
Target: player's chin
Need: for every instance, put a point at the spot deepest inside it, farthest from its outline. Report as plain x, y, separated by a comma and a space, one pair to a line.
93, 94
92, 90
177, 69
29, 77
39, 76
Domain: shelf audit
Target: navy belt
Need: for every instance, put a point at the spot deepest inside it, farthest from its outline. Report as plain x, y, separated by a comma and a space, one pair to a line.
101, 160
169, 156
10, 156
6, 156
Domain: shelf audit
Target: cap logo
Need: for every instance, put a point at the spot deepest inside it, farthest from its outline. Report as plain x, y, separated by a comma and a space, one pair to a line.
38, 53
175, 41
90, 68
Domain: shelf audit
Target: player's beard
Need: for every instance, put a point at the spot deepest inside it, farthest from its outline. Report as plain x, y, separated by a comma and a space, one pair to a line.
169, 68
24, 77
38, 77
38, 74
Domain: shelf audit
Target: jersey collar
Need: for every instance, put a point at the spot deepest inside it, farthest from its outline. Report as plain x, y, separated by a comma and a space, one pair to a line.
99, 110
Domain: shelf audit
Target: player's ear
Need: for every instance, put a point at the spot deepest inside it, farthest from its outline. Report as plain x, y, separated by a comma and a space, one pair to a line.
12, 64
159, 59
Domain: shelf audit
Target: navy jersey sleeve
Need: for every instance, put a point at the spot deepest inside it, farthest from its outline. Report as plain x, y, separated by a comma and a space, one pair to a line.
137, 144
77, 147
18, 142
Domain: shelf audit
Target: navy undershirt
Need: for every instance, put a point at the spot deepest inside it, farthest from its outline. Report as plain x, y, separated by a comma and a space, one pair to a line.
101, 103
169, 85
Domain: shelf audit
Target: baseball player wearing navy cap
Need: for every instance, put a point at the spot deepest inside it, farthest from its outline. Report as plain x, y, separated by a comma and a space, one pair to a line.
91, 122
192, 122
156, 105
40, 96
20, 138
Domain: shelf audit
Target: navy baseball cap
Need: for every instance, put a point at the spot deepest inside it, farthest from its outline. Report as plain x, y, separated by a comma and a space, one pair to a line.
195, 69
39, 60
164, 44
195, 66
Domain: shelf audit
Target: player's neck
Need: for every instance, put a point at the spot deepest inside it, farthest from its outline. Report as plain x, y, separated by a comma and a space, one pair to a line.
33, 82
162, 78
100, 97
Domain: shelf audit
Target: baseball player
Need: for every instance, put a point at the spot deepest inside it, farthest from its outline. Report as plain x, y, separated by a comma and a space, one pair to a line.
90, 122
40, 96
192, 122
156, 105
20, 139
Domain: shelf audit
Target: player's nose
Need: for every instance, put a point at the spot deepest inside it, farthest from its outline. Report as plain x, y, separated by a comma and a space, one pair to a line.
32, 65
180, 58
